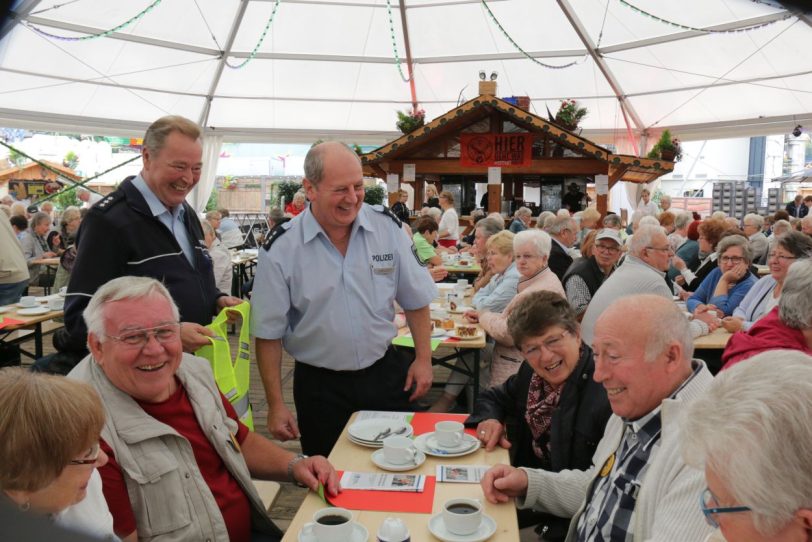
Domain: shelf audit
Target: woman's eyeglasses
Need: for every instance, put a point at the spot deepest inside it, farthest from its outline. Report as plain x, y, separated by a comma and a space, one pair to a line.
705, 498
91, 458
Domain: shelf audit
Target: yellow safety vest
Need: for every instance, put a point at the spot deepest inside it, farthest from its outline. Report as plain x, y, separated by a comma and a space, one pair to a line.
232, 376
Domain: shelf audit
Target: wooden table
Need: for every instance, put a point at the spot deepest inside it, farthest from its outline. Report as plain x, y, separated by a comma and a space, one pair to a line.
763, 270
12, 334
467, 270
347, 455
713, 341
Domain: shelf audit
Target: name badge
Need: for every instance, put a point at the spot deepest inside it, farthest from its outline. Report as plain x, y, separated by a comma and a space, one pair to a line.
383, 270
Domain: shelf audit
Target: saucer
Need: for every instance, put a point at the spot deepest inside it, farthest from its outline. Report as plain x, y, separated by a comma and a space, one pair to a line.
438, 332
368, 430
33, 311
471, 444
379, 460
453, 333
366, 443
35, 305
359, 534
486, 530
6, 309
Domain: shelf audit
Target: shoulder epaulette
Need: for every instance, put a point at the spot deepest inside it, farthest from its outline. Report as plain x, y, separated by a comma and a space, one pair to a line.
107, 201
388, 212
275, 234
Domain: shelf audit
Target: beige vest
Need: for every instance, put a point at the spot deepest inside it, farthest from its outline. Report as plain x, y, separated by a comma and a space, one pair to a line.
169, 497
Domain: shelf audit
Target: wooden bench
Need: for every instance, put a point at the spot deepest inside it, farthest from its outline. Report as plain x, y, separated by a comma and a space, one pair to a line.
20, 335
268, 492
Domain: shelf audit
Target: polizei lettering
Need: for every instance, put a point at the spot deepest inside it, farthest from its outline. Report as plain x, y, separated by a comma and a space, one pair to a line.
383, 257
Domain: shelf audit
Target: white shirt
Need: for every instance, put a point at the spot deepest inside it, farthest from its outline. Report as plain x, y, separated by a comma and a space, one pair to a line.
450, 223
90, 515
649, 208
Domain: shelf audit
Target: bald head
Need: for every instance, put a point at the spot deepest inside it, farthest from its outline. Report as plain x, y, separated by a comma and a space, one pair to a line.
317, 155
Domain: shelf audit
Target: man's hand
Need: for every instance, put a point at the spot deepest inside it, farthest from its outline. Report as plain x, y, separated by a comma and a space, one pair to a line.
282, 424
491, 433
472, 316
316, 470
438, 273
420, 375
229, 301
503, 482
194, 336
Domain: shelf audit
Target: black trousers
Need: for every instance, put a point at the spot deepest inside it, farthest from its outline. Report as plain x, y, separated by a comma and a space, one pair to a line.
326, 399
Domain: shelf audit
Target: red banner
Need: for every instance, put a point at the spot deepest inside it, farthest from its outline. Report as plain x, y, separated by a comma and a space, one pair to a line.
503, 150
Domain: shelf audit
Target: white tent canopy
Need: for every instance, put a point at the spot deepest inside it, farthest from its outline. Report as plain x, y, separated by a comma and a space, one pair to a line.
327, 68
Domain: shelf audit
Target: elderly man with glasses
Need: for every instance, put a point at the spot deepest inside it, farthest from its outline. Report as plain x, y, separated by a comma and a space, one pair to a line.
181, 463
642, 272
638, 487
586, 275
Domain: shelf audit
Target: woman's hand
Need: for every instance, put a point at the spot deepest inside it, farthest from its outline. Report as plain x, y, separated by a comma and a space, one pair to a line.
732, 323
491, 433
736, 274
678, 262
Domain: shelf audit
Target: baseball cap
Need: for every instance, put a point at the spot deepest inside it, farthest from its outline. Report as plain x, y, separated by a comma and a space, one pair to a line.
609, 233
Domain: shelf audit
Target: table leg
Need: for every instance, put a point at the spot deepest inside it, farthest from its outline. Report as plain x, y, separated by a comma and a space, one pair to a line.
38, 340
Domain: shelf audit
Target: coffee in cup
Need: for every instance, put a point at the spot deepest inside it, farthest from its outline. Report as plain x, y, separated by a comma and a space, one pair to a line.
448, 434
28, 301
462, 516
399, 450
330, 525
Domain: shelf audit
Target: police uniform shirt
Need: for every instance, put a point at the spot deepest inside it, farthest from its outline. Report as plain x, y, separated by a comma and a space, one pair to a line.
171, 219
332, 311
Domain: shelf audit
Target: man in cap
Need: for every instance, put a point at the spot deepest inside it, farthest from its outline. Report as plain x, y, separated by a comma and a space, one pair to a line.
586, 275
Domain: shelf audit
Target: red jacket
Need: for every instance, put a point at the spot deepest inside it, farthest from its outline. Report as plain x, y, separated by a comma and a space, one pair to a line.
769, 333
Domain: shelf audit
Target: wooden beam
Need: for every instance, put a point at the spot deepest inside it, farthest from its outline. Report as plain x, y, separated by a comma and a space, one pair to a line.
554, 166
494, 198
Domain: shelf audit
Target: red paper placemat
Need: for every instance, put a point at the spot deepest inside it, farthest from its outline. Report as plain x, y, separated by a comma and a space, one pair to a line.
386, 501
6, 322
424, 422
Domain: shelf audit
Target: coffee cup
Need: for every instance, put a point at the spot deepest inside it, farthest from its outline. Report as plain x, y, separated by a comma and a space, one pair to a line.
28, 301
56, 303
393, 530
330, 525
448, 434
399, 450
63, 291
462, 516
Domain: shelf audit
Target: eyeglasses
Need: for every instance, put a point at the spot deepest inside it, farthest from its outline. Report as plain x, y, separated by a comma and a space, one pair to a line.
607, 248
705, 498
731, 259
95, 451
138, 338
667, 249
780, 258
550, 344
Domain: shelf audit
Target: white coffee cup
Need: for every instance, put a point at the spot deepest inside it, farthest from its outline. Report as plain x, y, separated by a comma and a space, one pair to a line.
448, 434
327, 525
28, 301
462, 283
462, 516
63, 291
399, 450
56, 303
393, 530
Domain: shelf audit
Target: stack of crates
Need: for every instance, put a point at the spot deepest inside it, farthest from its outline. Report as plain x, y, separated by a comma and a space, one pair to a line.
735, 198
773, 204
723, 197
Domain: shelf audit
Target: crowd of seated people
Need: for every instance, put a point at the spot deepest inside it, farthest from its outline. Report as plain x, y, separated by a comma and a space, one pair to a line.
590, 380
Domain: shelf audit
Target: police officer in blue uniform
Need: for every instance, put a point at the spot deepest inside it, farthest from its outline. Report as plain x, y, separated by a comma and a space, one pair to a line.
324, 291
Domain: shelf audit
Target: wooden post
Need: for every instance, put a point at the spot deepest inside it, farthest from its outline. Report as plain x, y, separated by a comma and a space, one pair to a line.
494, 198
419, 186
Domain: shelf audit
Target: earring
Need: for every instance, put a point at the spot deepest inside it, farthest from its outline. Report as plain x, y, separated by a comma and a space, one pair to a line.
25, 507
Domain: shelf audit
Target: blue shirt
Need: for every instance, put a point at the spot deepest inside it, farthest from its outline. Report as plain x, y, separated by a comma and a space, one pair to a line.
335, 311
171, 219
496, 295
726, 303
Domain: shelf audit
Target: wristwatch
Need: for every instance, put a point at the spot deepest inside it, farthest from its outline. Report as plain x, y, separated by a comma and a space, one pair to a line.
291, 464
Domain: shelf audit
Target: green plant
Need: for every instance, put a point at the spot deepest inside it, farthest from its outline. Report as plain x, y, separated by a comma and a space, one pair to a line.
570, 113
211, 205
666, 148
285, 189
70, 160
408, 121
66, 198
374, 194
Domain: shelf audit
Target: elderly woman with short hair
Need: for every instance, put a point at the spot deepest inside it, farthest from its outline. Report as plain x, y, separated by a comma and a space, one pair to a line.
531, 251
764, 295
788, 326
561, 411
751, 432
35, 246
49, 452
725, 286
484, 230
710, 232
521, 220
69, 226
504, 282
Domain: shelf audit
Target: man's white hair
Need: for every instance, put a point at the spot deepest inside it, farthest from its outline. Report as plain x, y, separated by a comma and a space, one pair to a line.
795, 303
753, 429
642, 238
117, 290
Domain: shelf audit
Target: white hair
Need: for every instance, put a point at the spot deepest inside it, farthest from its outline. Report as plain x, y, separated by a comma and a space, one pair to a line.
540, 240
719, 215
561, 223
562, 212
542, 218
637, 216
754, 219
753, 429
665, 197
434, 213
648, 220
523, 211
612, 221
642, 238
781, 227
795, 304
807, 220
683, 220
118, 289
